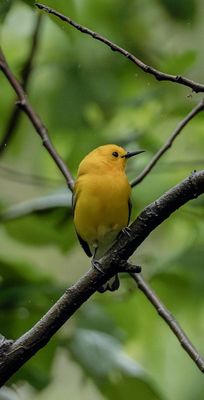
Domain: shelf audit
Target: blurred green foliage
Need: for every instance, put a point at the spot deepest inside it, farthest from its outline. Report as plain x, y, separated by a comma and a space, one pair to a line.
115, 347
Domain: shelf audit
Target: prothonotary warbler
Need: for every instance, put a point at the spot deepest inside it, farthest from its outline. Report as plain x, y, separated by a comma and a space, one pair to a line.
101, 201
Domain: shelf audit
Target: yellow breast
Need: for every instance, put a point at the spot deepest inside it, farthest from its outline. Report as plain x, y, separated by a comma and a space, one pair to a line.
101, 205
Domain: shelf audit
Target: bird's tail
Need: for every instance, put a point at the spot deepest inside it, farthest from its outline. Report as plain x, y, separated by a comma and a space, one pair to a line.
112, 285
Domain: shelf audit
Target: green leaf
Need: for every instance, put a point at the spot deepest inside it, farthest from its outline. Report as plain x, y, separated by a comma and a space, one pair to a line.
114, 372
41, 230
41, 221
25, 295
178, 63
89, 346
38, 371
95, 317
44, 203
5, 6
29, 2
181, 10
126, 387
7, 394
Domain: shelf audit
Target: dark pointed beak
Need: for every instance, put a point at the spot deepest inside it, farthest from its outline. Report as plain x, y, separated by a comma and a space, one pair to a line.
132, 153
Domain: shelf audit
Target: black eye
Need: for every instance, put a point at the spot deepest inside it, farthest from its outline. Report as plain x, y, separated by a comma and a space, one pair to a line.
115, 154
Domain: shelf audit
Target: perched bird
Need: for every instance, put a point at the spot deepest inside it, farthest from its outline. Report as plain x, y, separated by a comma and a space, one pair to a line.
101, 202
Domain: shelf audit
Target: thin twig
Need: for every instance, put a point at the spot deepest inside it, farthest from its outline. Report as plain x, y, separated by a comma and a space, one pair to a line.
170, 320
197, 109
25, 75
28, 179
14, 354
24, 104
160, 76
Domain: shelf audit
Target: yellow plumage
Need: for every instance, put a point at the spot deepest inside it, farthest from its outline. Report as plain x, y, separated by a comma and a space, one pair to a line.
101, 201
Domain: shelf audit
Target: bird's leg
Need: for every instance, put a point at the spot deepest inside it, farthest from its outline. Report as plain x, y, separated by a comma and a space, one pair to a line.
96, 264
126, 231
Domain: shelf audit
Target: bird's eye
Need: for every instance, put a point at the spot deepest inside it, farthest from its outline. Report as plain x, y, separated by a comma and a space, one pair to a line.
115, 154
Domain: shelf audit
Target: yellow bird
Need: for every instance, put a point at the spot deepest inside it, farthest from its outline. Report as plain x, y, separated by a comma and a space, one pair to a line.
101, 202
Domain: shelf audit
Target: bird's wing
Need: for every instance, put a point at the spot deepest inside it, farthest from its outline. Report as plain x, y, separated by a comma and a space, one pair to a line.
129, 208
82, 242
84, 245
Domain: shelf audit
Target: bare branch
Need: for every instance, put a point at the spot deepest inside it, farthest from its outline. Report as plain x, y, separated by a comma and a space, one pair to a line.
36, 121
170, 320
14, 354
160, 76
25, 75
197, 109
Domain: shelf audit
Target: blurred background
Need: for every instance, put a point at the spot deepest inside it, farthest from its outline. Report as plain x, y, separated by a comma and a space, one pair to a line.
115, 346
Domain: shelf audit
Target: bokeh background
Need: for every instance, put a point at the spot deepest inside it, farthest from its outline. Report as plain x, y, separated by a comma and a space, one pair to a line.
116, 346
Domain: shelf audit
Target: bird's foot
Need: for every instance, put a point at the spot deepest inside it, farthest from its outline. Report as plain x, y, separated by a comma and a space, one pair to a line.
102, 289
96, 265
112, 285
125, 231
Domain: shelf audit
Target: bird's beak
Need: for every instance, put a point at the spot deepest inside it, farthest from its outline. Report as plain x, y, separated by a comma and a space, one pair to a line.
132, 153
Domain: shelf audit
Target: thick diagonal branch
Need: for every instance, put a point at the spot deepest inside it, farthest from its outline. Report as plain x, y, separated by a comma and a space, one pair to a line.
14, 355
160, 76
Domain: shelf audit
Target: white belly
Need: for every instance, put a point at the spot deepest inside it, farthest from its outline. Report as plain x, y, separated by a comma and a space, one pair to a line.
105, 243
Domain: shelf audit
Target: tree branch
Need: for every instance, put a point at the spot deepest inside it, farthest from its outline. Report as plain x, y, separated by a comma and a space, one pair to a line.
160, 76
170, 320
197, 109
25, 75
24, 104
14, 354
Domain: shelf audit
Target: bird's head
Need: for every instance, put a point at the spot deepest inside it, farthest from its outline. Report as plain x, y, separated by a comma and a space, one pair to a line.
108, 156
